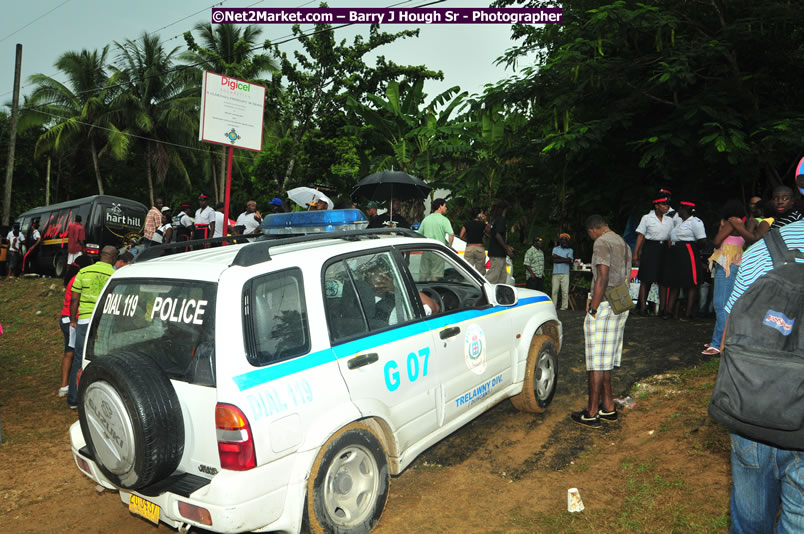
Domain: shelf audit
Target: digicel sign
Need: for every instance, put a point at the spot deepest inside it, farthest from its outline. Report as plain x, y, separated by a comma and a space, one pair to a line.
235, 84
231, 112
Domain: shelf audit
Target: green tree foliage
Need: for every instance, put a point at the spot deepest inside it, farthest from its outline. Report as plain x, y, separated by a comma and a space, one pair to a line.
317, 82
404, 133
79, 111
157, 105
625, 96
228, 50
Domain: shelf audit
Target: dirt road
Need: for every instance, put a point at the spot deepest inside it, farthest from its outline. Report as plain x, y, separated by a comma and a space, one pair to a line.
505, 472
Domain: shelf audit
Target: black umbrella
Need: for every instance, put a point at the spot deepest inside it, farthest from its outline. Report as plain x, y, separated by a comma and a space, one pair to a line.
385, 185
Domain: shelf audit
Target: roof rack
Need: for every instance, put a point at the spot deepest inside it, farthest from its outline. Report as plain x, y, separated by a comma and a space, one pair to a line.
158, 251
260, 251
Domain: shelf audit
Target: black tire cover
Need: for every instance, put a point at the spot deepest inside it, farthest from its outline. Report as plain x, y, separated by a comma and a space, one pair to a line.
131, 419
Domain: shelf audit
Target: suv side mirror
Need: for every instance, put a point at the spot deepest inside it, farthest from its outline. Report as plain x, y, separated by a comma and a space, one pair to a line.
505, 295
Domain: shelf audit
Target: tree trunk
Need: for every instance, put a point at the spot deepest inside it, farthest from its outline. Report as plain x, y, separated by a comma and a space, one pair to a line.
47, 183
288, 172
148, 173
96, 164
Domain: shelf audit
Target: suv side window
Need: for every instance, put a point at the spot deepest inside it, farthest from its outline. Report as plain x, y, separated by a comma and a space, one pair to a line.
365, 294
275, 316
444, 280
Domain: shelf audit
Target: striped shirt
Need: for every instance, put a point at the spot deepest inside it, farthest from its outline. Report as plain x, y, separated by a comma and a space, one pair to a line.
784, 220
757, 261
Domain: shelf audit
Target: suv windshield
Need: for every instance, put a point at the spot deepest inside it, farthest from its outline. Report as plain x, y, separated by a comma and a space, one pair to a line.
171, 321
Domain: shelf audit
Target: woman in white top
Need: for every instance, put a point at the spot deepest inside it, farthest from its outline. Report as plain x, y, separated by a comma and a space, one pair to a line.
683, 270
653, 236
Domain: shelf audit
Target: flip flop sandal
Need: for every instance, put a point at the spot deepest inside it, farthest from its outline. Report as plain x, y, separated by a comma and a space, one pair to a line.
711, 351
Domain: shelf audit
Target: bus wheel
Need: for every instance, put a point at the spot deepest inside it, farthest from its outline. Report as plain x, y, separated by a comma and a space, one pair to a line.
59, 265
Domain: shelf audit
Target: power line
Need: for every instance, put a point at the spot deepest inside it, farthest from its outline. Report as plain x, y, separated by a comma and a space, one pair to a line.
34, 20
135, 136
149, 33
180, 68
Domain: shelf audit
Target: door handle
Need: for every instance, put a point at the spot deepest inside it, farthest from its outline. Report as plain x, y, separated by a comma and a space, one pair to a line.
449, 332
362, 359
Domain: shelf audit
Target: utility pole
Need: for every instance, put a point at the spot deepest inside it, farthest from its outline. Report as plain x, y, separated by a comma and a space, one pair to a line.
12, 138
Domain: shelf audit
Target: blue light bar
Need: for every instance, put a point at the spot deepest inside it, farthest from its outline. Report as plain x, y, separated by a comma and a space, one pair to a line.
308, 222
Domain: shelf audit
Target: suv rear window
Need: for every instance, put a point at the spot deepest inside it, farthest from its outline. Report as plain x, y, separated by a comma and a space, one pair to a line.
171, 321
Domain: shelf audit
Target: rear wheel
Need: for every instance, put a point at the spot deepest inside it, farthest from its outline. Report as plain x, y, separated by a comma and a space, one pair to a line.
348, 485
541, 373
59, 265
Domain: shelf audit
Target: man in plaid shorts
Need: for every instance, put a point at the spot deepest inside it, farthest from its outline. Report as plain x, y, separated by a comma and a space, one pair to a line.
602, 328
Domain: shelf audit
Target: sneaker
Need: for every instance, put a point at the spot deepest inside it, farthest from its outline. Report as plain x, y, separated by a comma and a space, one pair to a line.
606, 415
583, 418
63, 391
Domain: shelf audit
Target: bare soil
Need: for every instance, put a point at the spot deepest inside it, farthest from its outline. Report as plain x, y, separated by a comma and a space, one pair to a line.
663, 467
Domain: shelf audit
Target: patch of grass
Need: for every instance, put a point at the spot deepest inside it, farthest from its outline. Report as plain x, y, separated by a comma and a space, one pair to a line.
707, 368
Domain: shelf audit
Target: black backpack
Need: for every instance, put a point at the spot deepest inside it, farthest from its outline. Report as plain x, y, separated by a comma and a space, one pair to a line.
759, 391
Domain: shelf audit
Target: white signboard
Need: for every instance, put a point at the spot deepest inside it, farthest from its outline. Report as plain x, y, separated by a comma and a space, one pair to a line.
231, 112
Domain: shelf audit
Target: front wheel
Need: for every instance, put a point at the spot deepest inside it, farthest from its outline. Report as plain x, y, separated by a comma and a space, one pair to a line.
348, 484
541, 373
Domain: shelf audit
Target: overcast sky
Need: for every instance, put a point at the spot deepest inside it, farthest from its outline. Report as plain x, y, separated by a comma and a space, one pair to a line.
48, 28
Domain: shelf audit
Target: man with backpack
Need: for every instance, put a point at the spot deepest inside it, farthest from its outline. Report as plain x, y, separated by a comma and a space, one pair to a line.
759, 393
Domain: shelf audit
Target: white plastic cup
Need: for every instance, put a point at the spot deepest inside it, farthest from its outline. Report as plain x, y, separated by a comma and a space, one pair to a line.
574, 502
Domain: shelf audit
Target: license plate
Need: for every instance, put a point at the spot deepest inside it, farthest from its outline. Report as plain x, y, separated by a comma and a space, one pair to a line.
139, 506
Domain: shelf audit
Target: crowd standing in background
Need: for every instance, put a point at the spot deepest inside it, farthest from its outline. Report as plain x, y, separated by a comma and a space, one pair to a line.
15, 240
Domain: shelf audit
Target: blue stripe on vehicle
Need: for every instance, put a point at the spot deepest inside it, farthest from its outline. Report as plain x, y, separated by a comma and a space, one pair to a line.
278, 370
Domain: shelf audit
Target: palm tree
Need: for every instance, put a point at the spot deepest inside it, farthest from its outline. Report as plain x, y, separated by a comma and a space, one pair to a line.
407, 134
78, 110
160, 104
227, 49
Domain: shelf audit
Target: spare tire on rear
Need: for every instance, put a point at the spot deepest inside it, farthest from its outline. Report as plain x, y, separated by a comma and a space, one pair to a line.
131, 419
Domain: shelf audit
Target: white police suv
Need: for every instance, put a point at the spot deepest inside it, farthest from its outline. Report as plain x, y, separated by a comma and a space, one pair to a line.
276, 385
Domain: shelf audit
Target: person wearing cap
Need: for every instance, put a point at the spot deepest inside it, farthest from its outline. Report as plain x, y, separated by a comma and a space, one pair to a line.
563, 256
653, 236
204, 218
683, 271
15, 240
371, 213
250, 219
33, 239
152, 221
393, 217
275, 206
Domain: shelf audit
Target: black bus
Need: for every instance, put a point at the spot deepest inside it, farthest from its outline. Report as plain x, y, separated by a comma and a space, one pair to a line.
107, 220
